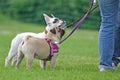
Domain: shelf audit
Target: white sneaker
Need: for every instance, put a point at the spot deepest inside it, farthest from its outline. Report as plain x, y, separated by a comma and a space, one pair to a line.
102, 69
113, 65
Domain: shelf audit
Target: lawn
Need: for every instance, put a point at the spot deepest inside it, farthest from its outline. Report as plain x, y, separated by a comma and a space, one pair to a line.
78, 57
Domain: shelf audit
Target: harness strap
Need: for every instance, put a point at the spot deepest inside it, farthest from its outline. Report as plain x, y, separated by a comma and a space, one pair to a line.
53, 48
79, 22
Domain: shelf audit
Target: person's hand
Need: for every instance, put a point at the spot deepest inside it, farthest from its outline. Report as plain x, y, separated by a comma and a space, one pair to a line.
94, 2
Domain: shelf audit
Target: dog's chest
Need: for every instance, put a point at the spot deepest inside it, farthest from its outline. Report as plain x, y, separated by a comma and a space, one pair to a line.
53, 49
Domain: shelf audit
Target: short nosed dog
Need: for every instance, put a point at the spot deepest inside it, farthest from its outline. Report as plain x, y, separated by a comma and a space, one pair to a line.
41, 48
51, 22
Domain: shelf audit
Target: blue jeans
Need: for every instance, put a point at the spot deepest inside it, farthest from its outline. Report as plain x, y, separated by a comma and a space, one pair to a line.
117, 36
109, 11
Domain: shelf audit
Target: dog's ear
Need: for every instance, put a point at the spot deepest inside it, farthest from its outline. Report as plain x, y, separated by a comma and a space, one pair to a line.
47, 18
52, 15
53, 31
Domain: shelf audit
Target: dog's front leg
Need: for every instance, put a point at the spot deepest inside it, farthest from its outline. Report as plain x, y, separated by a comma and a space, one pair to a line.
43, 63
53, 60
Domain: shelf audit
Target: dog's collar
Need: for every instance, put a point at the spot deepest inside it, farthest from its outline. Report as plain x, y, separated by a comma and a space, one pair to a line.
53, 48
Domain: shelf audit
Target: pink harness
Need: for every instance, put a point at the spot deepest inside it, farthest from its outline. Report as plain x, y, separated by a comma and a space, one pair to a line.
53, 48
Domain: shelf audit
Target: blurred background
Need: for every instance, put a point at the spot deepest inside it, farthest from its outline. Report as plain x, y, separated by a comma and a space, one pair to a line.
31, 11
78, 58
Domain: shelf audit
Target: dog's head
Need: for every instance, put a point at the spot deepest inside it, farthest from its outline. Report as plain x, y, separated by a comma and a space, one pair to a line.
53, 22
56, 34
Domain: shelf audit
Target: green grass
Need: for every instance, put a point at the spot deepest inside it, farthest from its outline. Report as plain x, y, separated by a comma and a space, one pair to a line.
78, 57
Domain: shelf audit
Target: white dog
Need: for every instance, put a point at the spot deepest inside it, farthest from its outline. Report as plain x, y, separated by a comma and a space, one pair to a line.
51, 22
41, 48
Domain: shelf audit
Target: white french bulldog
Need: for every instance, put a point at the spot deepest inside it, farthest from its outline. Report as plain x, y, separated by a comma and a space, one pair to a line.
51, 22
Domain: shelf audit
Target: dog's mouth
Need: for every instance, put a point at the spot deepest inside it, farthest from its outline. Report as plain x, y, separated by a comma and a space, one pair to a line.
62, 25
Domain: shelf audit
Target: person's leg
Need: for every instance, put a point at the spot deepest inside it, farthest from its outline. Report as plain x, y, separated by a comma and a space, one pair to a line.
109, 9
117, 40
117, 35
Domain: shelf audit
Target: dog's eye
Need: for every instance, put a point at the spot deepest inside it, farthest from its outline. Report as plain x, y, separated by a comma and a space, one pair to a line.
59, 30
53, 31
55, 21
59, 26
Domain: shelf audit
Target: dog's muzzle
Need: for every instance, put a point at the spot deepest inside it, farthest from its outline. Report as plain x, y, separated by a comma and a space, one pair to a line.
63, 25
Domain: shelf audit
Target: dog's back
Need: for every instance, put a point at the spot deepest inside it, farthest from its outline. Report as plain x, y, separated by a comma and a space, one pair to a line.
37, 46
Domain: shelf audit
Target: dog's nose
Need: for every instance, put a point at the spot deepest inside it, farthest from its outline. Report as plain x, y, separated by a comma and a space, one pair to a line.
61, 19
64, 22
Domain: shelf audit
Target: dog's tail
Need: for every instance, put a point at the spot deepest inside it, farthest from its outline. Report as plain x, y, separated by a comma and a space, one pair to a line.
27, 37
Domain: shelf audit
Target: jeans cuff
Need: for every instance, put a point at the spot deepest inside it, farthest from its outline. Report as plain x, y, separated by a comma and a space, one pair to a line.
106, 67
